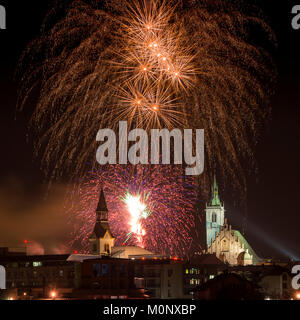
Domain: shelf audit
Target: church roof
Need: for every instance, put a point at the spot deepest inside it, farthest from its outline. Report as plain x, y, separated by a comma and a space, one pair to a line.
242, 239
100, 229
102, 202
215, 199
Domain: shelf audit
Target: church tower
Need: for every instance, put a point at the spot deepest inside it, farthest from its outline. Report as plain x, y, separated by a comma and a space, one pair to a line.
101, 240
214, 215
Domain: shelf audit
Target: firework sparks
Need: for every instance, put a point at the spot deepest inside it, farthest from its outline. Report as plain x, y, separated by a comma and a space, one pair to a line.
132, 193
138, 211
154, 64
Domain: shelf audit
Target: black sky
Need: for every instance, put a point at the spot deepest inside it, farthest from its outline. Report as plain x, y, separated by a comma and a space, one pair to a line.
273, 194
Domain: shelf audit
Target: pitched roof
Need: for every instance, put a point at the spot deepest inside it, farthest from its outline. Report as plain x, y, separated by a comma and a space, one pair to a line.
246, 244
222, 278
102, 202
100, 229
206, 259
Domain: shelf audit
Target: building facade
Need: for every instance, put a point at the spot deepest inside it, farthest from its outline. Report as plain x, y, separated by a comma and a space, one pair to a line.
229, 245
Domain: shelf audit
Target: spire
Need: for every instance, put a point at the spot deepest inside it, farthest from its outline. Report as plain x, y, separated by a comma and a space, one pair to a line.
102, 203
215, 199
101, 225
102, 212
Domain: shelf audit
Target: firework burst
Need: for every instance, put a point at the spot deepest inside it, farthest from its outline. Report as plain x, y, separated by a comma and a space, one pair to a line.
150, 206
193, 64
138, 211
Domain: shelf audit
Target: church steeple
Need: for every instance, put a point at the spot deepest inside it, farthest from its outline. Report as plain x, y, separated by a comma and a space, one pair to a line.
101, 211
101, 240
215, 214
215, 199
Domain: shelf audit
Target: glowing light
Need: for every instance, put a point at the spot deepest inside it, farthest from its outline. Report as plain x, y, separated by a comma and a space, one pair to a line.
298, 296
52, 294
119, 59
25, 241
129, 44
172, 214
138, 211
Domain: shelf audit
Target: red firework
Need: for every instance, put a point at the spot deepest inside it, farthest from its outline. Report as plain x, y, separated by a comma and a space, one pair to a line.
170, 198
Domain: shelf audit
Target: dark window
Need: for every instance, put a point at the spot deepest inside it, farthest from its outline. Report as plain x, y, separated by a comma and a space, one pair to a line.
284, 285
122, 268
96, 270
214, 217
113, 269
105, 268
284, 277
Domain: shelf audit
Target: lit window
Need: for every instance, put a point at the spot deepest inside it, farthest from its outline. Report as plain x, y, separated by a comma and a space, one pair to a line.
61, 273
37, 264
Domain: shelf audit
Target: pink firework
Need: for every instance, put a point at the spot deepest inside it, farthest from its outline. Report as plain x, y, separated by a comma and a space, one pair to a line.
162, 198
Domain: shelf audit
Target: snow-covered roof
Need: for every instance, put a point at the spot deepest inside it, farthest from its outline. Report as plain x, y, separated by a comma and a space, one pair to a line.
82, 257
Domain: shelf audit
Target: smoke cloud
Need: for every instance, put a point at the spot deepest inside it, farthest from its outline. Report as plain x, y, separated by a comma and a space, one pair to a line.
30, 214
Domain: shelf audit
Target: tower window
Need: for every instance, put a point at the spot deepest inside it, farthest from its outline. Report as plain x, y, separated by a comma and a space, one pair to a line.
106, 247
214, 217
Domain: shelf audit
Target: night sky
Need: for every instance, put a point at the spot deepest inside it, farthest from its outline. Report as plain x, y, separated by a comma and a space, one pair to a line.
273, 198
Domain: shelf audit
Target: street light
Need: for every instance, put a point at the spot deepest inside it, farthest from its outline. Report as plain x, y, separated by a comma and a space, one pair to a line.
53, 294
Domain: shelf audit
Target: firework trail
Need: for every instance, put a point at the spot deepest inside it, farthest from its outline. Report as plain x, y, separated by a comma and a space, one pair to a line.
185, 64
166, 200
